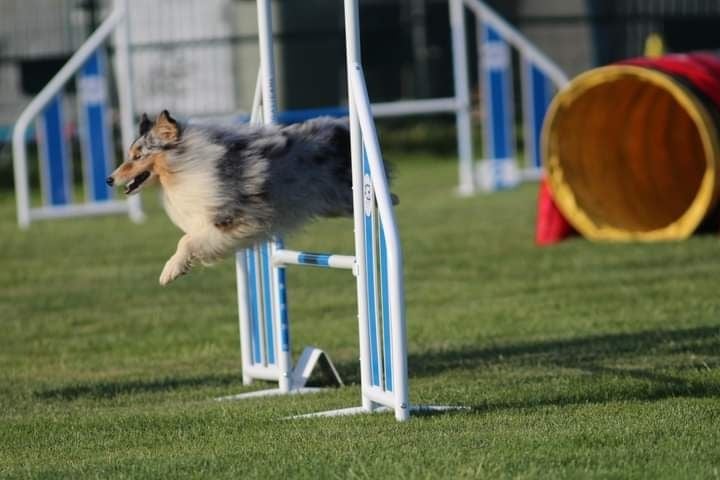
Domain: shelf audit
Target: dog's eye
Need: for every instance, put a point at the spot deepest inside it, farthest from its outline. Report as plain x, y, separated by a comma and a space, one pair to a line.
136, 156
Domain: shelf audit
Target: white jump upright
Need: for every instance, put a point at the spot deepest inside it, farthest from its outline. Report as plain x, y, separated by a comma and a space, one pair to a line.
377, 263
55, 166
262, 302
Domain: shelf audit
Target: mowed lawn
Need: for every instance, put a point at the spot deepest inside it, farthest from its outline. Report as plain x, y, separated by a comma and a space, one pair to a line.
578, 361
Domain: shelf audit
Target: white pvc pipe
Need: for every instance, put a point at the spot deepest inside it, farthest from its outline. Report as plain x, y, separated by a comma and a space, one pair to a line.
243, 316
269, 110
415, 107
466, 170
267, 60
81, 209
392, 239
241, 273
269, 373
256, 111
379, 395
123, 78
352, 48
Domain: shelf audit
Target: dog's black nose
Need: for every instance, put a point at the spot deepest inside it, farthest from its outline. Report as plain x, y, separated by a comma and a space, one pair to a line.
110, 181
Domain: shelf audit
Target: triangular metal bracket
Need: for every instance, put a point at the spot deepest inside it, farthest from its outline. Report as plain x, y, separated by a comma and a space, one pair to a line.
309, 359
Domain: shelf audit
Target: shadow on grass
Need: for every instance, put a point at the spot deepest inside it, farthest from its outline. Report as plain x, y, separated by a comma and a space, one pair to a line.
586, 354
111, 389
699, 348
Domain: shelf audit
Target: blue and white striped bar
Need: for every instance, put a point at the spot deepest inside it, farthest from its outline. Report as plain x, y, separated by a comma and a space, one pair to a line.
326, 260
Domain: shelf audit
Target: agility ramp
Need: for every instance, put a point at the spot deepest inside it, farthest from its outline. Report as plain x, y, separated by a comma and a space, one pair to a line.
631, 150
88, 67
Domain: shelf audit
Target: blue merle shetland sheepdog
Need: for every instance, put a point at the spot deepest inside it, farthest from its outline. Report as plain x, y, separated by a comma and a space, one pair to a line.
230, 187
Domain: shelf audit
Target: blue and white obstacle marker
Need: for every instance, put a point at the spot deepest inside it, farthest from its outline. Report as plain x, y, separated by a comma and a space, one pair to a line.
88, 63
540, 77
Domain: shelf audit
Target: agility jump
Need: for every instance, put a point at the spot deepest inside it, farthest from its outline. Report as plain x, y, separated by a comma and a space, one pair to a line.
377, 263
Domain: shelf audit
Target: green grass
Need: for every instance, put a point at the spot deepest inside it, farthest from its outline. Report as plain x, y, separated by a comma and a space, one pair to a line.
581, 360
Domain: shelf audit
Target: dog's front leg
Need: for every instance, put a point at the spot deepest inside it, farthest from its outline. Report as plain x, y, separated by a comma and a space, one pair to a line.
179, 263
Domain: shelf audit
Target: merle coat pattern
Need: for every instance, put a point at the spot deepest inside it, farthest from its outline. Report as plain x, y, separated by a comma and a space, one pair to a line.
230, 187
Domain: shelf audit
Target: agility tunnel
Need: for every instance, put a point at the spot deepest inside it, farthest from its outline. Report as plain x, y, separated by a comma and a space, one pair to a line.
631, 150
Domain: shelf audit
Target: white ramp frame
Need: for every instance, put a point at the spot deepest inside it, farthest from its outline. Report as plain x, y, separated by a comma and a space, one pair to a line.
529, 55
116, 23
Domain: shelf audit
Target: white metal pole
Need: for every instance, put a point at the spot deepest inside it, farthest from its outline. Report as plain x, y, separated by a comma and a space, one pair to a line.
243, 316
22, 182
256, 110
269, 109
241, 268
267, 60
352, 47
528, 111
123, 77
392, 239
462, 94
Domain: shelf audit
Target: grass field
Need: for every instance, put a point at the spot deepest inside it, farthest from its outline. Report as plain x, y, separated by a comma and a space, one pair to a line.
578, 361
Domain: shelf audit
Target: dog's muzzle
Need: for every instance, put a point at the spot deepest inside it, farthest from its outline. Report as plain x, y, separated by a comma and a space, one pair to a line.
136, 182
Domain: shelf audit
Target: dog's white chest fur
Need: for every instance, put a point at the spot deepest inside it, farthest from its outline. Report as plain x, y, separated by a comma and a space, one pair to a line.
191, 193
187, 205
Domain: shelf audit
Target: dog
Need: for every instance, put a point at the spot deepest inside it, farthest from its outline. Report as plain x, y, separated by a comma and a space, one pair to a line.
228, 188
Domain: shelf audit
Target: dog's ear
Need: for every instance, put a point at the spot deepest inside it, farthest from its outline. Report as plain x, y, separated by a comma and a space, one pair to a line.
166, 127
145, 124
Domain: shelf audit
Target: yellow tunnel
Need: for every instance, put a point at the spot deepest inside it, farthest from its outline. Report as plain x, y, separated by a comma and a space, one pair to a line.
631, 154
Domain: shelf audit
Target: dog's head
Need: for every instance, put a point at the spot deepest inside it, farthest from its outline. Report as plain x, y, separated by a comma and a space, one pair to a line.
147, 155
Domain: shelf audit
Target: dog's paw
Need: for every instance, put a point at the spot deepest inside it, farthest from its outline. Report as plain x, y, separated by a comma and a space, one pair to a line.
173, 269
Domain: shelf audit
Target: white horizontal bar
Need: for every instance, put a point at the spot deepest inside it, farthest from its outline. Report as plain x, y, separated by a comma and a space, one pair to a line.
80, 209
531, 174
262, 373
414, 107
380, 396
292, 257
